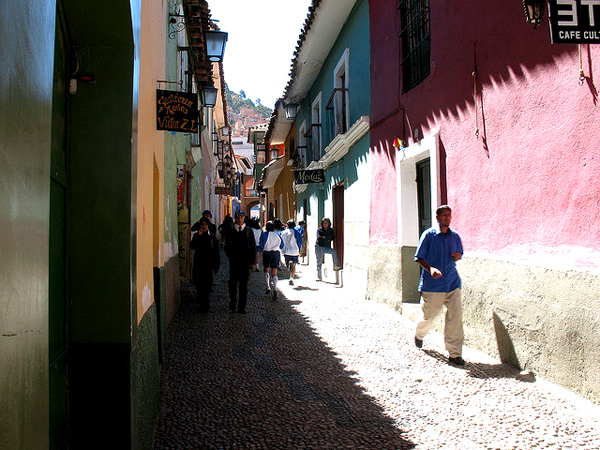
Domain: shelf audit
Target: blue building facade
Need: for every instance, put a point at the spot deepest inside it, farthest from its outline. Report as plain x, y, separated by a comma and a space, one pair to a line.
332, 126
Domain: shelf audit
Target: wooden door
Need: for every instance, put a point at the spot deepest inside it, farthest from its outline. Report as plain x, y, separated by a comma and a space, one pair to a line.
338, 220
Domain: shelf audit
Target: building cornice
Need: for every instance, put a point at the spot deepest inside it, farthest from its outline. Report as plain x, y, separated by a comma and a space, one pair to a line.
341, 144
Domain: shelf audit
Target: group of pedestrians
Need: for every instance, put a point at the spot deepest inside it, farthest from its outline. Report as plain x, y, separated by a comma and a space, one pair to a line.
438, 250
244, 242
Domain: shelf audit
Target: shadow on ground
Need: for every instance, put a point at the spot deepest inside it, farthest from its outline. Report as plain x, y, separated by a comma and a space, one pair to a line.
261, 380
480, 370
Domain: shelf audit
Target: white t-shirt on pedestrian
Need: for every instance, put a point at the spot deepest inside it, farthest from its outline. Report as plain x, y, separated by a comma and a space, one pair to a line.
290, 244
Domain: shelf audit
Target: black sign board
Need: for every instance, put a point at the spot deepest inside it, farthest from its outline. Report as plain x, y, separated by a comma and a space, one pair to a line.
223, 190
176, 111
309, 176
574, 21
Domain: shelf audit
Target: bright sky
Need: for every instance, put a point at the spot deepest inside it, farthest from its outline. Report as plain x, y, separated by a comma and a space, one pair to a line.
263, 35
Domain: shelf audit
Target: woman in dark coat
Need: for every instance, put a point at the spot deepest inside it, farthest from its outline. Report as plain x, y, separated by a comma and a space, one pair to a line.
206, 262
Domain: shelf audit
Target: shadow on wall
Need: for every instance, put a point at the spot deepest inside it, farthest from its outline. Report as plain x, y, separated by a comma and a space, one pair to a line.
506, 349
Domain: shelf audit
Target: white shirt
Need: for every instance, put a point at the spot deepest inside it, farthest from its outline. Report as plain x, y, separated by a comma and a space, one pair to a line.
290, 244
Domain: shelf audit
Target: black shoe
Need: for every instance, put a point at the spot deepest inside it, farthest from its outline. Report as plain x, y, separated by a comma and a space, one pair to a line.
274, 295
232, 306
419, 342
241, 311
457, 361
268, 292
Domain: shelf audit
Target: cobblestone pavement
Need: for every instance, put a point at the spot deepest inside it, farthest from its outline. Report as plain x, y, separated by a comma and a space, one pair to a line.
321, 368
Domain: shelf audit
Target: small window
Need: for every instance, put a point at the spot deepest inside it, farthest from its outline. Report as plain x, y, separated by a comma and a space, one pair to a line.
315, 129
416, 36
340, 103
302, 147
424, 194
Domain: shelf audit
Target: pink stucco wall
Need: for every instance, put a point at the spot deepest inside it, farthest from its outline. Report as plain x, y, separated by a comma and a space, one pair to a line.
530, 179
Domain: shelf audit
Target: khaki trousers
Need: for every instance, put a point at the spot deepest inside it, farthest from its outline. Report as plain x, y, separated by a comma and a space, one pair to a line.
431, 303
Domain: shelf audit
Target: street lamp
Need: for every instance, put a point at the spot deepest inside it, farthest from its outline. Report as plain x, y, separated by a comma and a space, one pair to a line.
215, 138
225, 130
209, 96
534, 10
274, 153
215, 44
291, 109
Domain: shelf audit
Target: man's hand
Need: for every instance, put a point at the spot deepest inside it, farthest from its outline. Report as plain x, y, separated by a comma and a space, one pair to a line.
456, 256
435, 273
252, 266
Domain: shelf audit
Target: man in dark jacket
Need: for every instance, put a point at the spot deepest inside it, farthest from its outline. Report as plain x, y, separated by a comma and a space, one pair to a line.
206, 262
240, 248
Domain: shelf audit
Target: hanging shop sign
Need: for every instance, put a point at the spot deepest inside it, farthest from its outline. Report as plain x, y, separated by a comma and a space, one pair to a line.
176, 111
574, 21
309, 176
223, 190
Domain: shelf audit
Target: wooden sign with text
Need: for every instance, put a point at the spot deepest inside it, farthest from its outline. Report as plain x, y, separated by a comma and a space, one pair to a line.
176, 111
309, 176
223, 190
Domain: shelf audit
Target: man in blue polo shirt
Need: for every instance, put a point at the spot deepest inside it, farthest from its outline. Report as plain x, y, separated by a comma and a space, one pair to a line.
439, 249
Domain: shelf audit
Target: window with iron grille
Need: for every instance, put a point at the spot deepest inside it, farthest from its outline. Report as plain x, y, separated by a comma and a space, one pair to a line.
416, 36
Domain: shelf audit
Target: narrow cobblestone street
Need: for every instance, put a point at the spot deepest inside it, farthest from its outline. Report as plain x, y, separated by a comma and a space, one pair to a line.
321, 368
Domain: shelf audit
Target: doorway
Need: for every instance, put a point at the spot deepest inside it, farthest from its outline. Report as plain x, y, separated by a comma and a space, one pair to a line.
338, 220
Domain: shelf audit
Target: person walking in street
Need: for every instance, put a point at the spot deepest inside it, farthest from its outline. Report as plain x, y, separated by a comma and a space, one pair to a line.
240, 248
270, 246
303, 249
325, 237
292, 242
253, 223
211, 226
206, 262
225, 228
439, 249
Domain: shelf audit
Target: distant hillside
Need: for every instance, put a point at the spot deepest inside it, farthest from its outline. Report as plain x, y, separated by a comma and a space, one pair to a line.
238, 100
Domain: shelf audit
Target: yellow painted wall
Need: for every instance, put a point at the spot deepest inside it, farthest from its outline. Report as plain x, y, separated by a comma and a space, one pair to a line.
150, 158
284, 183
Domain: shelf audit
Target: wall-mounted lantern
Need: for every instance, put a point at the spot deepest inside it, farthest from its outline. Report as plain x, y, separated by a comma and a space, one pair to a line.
225, 130
215, 45
534, 10
291, 109
209, 96
215, 139
274, 153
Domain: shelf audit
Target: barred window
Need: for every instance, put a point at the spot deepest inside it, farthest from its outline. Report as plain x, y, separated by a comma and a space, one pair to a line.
416, 36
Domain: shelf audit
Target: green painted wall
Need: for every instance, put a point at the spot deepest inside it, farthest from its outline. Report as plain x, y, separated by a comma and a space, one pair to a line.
25, 130
145, 381
102, 249
113, 377
355, 36
174, 155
